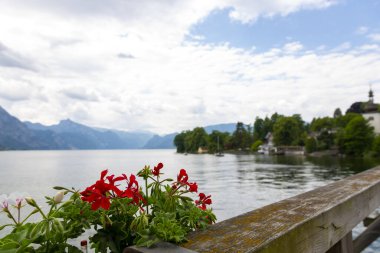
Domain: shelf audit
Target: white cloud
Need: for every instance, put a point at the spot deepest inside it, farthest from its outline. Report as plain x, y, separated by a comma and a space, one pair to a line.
293, 47
375, 37
342, 47
250, 11
126, 65
362, 30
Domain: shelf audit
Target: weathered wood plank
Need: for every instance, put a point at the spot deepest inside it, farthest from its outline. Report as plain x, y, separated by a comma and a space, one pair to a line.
162, 247
310, 222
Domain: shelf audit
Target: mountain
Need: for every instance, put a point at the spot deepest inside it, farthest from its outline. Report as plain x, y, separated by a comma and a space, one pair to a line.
80, 136
227, 127
134, 139
84, 137
161, 142
16, 135
68, 134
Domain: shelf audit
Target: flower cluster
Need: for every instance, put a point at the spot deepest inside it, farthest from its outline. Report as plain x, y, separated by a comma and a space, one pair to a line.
120, 211
203, 201
101, 193
182, 181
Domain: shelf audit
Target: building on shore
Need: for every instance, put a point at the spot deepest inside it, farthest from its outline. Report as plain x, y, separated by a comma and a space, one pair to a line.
371, 113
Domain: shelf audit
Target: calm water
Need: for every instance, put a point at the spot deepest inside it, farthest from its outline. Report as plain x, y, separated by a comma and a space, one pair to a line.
237, 183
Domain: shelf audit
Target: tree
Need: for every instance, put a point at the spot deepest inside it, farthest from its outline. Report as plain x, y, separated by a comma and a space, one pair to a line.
376, 146
357, 137
213, 141
259, 130
179, 142
195, 139
337, 113
287, 131
310, 145
241, 138
345, 119
318, 124
255, 146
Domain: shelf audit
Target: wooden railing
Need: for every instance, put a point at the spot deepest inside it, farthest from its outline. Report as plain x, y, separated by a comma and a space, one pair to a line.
320, 220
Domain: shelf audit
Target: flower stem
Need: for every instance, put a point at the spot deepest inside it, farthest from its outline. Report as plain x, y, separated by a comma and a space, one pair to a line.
18, 214
146, 195
40, 211
11, 216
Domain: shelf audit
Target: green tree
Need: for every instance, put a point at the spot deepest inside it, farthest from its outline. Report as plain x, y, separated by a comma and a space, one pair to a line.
357, 137
179, 142
259, 129
337, 113
376, 146
310, 145
255, 146
213, 141
287, 131
345, 119
241, 138
318, 124
195, 139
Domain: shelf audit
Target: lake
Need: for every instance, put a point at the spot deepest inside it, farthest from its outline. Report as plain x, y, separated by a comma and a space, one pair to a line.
237, 183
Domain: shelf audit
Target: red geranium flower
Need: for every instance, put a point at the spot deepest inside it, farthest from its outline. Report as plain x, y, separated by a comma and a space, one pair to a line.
99, 194
182, 177
132, 191
203, 201
156, 170
193, 187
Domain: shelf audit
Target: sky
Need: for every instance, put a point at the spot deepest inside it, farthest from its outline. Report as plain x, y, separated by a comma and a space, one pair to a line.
170, 65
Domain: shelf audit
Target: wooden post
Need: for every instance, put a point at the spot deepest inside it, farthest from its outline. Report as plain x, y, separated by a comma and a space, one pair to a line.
368, 236
343, 246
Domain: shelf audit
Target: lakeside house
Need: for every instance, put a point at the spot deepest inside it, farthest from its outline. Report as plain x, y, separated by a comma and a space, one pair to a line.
371, 113
268, 146
202, 150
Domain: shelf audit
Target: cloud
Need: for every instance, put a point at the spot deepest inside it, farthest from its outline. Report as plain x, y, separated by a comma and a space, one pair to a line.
125, 56
14, 91
80, 93
11, 59
293, 47
375, 37
362, 30
342, 47
81, 50
249, 11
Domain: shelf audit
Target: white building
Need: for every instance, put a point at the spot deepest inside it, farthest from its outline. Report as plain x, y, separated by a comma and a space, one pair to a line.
371, 113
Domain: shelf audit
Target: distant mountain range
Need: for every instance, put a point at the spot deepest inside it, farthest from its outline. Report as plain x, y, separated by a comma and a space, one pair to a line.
68, 134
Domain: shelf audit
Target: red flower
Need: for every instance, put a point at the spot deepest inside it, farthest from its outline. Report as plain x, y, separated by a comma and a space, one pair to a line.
182, 177
99, 194
132, 191
203, 201
193, 187
156, 170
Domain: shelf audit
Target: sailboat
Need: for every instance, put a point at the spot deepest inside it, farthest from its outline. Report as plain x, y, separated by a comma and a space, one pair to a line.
218, 153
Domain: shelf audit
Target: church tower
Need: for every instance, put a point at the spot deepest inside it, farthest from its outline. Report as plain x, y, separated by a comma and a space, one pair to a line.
370, 95
371, 112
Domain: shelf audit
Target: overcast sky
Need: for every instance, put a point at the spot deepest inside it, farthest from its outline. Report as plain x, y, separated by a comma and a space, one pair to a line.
166, 66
